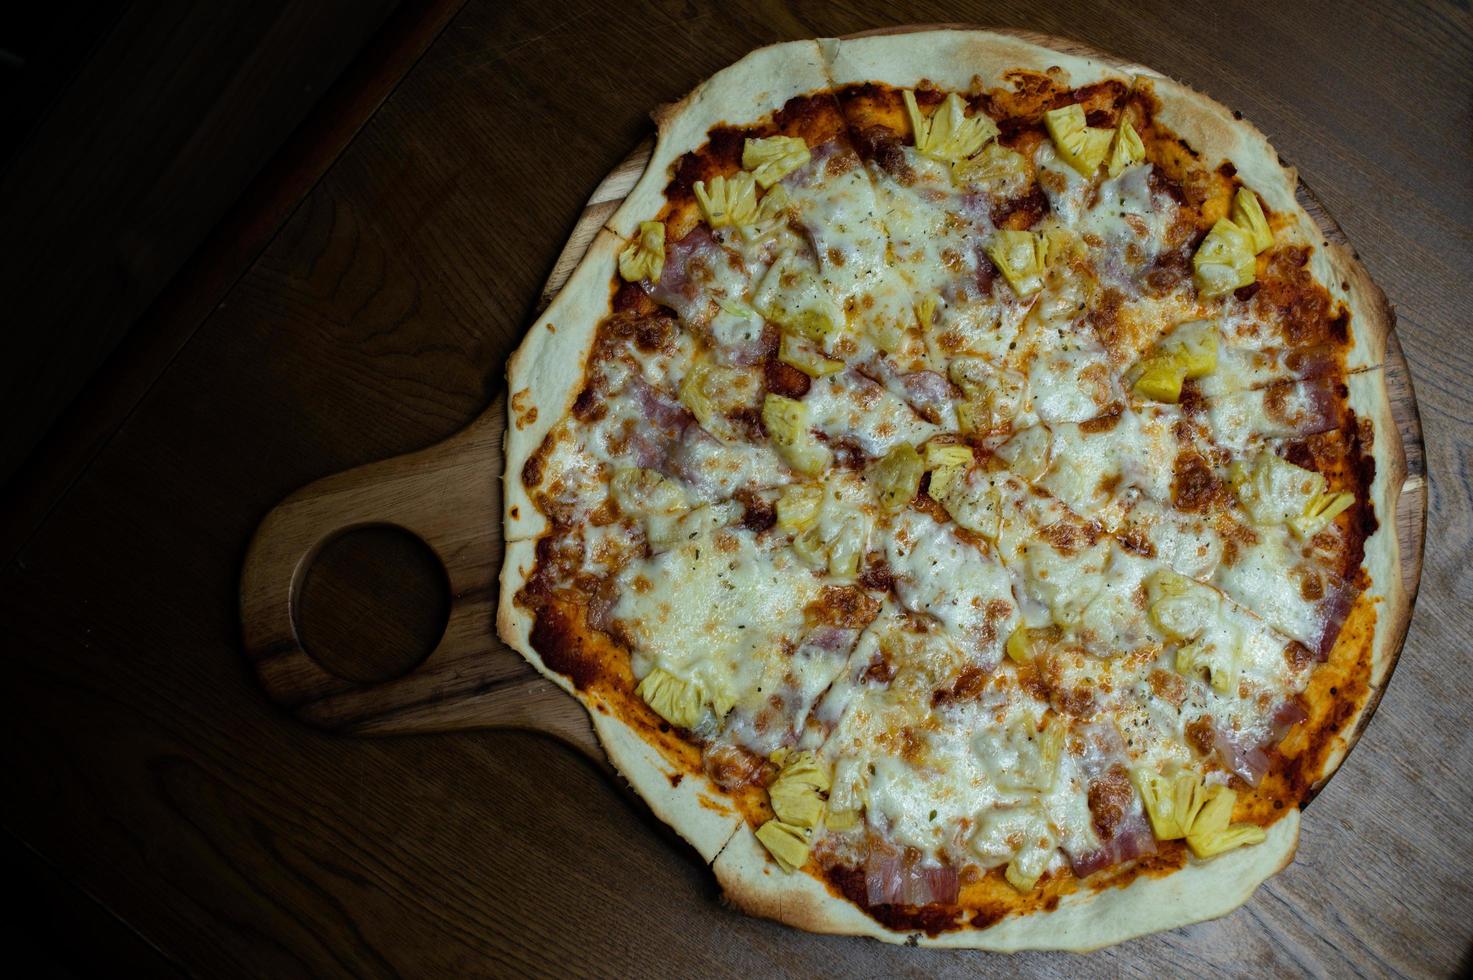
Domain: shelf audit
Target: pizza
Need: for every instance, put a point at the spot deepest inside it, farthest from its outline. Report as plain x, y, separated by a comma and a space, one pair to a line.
959, 483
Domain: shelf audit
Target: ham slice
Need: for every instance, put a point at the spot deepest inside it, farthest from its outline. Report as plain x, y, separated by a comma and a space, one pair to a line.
688, 268
1334, 609
784, 717
652, 445
1250, 760
926, 392
1132, 840
894, 879
1286, 410
1120, 821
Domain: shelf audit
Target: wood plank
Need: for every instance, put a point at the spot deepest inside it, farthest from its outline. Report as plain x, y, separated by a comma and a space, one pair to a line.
226, 832
109, 196
81, 430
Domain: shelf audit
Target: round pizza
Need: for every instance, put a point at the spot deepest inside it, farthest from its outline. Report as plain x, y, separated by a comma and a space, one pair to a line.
959, 483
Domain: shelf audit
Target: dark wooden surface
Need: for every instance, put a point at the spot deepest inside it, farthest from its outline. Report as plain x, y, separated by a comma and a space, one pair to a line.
111, 178
149, 772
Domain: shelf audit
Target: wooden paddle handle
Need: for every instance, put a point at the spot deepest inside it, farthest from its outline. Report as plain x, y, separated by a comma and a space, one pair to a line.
450, 497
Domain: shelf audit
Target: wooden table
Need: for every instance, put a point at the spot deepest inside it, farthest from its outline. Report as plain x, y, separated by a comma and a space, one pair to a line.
361, 304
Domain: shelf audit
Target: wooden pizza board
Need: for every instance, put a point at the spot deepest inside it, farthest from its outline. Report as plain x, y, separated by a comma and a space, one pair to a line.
449, 495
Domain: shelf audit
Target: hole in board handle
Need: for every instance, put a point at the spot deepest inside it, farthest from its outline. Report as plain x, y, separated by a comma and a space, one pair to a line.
373, 604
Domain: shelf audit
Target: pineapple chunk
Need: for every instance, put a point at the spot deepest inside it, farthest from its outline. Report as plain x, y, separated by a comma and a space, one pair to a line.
942, 479
1019, 836
1182, 806
847, 547
925, 309
729, 201
1276, 491
1180, 608
680, 702
771, 212
1320, 512
695, 395
794, 298
838, 552
1212, 810
1022, 757
641, 492
787, 426
1127, 148
1221, 665
795, 793
1216, 842
1019, 647
1248, 215
798, 506
1185, 806
939, 454
710, 390
644, 258
949, 134
1024, 874
1082, 146
1192, 346
887, 333
664, 532
1021, 257
795, 351
976, 507
997, 169
1189, 351
1159, 796
1160, 379
897, 477
812, 548
832, 541
1224, 261
773, 158
1027, 452
787, 844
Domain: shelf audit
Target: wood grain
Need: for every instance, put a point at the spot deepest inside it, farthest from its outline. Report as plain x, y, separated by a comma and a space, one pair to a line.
146, 768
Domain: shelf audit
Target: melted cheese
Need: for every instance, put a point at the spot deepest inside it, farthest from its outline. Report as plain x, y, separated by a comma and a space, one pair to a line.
943, 749
1271, 577
1068, 192
849, 406
716, 610
938, 574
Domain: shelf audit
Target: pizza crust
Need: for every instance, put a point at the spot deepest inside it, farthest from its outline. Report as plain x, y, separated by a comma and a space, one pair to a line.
691, 805
1213, 131
965, 60
745, 92
1083, 921
545, 374
1387, 592
549, 368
